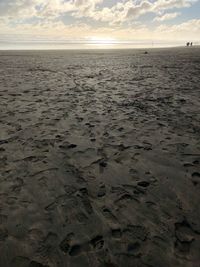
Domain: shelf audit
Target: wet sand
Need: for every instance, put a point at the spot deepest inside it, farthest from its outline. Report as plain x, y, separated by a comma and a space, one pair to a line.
100, 158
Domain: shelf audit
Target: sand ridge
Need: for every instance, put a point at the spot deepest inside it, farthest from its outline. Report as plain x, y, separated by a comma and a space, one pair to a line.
100, 158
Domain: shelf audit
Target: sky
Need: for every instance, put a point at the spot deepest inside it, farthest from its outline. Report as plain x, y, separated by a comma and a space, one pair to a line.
99, 22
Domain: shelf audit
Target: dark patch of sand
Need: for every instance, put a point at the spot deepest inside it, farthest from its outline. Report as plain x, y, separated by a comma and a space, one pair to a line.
99, 158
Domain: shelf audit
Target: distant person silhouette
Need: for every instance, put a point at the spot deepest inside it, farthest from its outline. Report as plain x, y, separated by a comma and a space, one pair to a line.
191, 44
187, 44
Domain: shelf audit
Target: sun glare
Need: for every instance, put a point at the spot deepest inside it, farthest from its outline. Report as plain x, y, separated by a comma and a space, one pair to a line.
102, 40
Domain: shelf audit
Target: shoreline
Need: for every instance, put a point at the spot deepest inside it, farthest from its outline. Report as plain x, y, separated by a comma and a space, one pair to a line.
104, 49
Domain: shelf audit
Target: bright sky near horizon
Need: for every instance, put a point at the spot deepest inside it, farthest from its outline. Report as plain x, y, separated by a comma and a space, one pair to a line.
99, 21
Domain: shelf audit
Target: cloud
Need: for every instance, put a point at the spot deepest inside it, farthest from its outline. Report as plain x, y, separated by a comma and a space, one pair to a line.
120, 12
170, 4
189, 28
59, 31
136, 10
46, 8
167, 16
16, 8
44, 18
128, 10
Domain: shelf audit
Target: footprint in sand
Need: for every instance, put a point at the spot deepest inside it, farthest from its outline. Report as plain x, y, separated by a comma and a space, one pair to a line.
97, 242
36, 264
65, 244
184, 238
188, 165
195, 178
102, 191
103, 163
108, 215
75, 250
124, 198
134, 249
143, 184
116, 233
47, 245
83, 194
68, 246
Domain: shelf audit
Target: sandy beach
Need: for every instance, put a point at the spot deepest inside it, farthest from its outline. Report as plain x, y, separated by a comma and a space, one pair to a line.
100, 158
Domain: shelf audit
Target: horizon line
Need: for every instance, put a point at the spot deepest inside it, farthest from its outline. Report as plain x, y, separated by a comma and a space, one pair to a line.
92, 49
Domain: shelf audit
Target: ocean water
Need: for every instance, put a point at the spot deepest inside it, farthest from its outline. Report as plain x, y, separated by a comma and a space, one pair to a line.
35, 45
